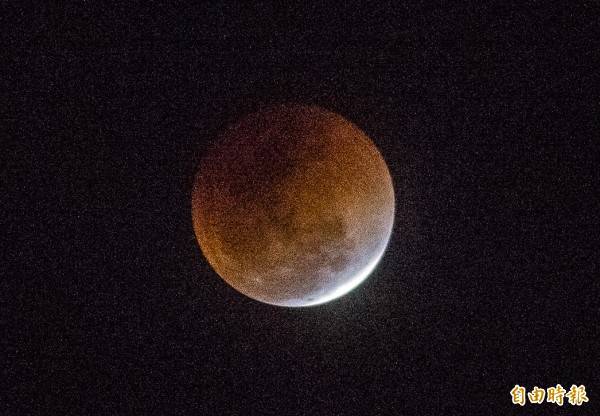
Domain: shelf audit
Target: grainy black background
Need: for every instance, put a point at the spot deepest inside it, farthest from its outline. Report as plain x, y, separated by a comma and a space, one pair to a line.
487, 114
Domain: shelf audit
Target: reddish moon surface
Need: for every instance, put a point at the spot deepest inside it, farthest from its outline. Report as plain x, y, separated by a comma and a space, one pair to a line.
293, 205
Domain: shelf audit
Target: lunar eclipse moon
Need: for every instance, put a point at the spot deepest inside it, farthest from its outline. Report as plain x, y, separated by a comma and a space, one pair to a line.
293, 205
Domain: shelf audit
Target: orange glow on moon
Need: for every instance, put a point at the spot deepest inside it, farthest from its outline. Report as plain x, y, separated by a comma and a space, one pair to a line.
293, 206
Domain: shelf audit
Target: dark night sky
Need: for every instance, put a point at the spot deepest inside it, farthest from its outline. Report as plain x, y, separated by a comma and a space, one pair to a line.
487, 116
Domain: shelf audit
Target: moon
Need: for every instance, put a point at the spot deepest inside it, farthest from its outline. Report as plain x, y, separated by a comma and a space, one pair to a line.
293, 205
